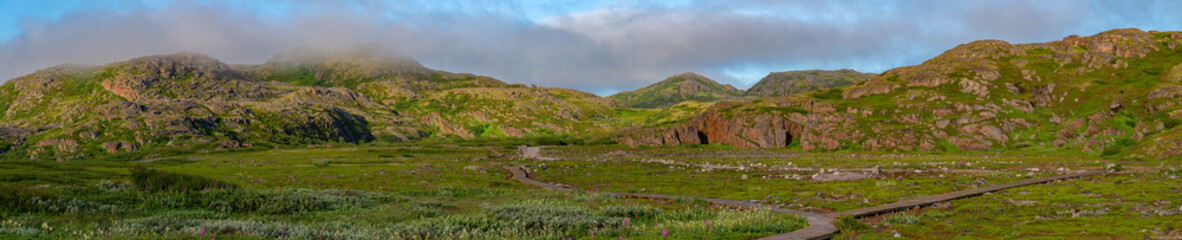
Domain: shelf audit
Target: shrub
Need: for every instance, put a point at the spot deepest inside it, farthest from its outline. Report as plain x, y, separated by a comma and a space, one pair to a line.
848, 224
448, 227
1171, 122
937, 214
74, 206
161, 226
156, 180
1153, 70
1023, 144
630, 211
1118, 146
1111, 150
539, 217
322, 163
554, 140
828, 94
602, 141
109, 186
287, 200
13, 198
900, 218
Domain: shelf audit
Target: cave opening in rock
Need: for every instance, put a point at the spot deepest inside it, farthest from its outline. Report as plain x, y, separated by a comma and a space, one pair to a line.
702, 136
787, 139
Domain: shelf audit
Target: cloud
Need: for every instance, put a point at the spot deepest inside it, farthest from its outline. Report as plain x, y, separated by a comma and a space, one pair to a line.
601, 47
105, 36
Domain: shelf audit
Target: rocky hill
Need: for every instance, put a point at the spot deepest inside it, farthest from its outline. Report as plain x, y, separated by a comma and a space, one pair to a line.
793, 82
693, 87
1113, 93
189, 102
678, 88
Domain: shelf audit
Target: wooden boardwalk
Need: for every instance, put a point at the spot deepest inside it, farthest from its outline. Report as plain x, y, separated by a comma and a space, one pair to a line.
933, 199
821, 226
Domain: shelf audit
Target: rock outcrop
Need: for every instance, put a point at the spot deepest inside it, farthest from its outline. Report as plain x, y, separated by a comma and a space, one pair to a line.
713, 126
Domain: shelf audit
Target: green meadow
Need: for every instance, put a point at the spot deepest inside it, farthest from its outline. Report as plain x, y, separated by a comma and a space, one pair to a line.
462, 191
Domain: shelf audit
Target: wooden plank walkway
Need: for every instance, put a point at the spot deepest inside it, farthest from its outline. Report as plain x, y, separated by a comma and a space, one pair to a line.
933, 199
821, 226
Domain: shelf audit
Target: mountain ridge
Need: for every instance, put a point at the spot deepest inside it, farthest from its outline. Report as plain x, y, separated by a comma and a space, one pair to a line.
1115, 93
1100, 94
189, 102
690, 86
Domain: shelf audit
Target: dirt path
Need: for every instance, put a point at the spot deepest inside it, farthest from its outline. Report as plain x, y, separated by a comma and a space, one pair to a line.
532, 153
163, 158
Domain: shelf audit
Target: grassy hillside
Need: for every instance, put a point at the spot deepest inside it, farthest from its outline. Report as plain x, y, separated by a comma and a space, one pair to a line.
1112, 94
793, 82
676, 89
162, 105
1099, 94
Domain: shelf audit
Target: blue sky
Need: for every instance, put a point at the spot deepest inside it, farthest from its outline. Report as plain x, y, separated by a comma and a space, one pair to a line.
602, 46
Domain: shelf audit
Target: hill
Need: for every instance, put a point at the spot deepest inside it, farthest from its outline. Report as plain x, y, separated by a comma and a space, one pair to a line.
793, 82
696, 88
1113, 93
159, 105
678, 88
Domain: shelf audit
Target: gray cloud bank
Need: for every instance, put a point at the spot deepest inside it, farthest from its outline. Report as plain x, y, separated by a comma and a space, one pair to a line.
600, 51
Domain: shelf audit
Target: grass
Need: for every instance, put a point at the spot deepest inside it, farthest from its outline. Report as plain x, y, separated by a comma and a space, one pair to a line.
680, 171
366, 192
785, 178
678, 113
454, 191
1096, 207
828, 94
156, 180
664, 94
450, 182
350, 214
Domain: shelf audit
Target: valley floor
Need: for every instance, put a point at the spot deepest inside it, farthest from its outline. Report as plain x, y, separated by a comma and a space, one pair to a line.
442, 191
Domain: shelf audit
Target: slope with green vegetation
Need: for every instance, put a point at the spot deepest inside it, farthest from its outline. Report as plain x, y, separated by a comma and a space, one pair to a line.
793, 82
678, 88
1103, 94
1114, 93
404, 192
164, 104
160, 105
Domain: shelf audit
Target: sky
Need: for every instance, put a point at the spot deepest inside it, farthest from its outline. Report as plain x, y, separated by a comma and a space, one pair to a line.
598, 46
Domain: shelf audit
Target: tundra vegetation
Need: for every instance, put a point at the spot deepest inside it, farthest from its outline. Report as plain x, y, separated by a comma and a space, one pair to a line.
360, 145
